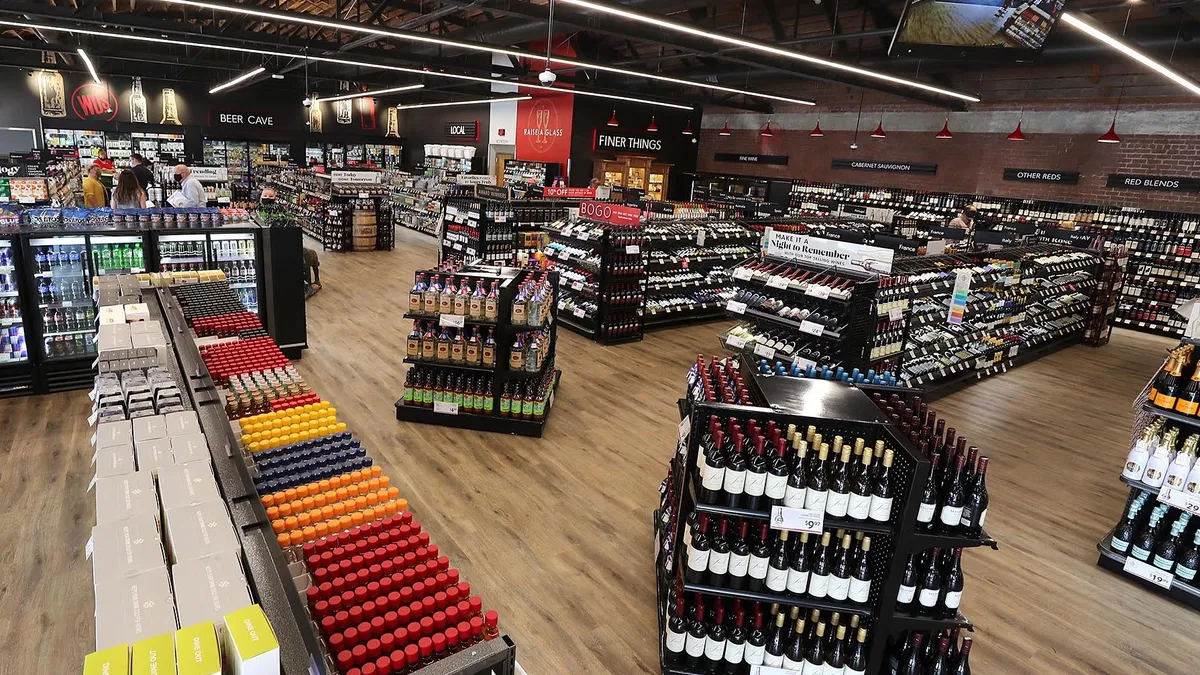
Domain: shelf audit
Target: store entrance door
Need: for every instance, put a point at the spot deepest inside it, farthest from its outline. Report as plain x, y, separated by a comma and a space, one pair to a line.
498, 170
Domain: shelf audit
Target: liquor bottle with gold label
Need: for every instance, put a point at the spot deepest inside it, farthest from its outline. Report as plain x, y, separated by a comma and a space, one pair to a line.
137, 103
1166, 389
170, 108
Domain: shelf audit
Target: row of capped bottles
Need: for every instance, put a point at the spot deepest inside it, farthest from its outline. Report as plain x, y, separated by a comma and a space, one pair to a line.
929, 653
1158, 460
469, 346
932, 583
718, 381
1170, 390
476, 299
1159, 535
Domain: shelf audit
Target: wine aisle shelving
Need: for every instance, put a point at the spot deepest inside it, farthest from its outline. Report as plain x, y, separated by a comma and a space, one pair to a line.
476, 228
680, 291
482, 348
719, 498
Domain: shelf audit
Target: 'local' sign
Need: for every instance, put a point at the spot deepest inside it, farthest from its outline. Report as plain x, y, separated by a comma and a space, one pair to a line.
463, 130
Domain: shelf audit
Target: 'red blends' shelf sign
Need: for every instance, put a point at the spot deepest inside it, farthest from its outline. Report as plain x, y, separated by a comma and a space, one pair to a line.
544, 128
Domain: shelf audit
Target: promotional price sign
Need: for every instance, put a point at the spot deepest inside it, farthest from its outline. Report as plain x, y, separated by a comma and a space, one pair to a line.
828, 253
797, 520
610, 213
569, 192
958, 301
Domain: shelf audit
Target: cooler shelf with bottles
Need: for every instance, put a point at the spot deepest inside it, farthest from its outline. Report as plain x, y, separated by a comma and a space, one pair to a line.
236, 254
482, 348
60, 280
118, 254
750, 509
1156, 543
16, 374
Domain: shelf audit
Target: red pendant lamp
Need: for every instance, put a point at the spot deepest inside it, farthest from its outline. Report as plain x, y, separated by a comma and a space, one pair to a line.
944, 134
766, 131
725, 130
1017, 134
879, 132
612, 122
687, 130
816, 132
1110, 136
653, 125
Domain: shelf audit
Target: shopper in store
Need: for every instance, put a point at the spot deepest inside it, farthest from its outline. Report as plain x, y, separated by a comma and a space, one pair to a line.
141, 171
128, 194
966, 220
94, 193
191, 192
106, 165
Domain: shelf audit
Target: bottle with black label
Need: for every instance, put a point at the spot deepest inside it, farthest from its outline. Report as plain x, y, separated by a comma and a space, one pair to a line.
739, 556
760, 560
777, 571
818, 583
797, 579
930, 588
718, 556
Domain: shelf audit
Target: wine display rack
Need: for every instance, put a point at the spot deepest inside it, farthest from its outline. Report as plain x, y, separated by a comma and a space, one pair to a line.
834, 408
688, 264
604, 278
326, 209
506, 334
476, 228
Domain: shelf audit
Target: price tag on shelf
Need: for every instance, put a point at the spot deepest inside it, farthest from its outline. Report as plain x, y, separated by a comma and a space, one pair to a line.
501, 219
1180, 500
764, 351
817, 291
457, 246
564, 255
776, 281
735, 341
812, 328
803, 363
735, 307
1149, 572
633, 249
895, 314
577, 285
700, 235
769, 670
1013, 351
452, 320
797, 520
685, 428
579, 312
582, 236
743, 274
445, 408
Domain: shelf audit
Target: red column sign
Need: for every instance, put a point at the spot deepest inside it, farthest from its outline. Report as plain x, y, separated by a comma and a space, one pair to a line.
610, 213
544, 128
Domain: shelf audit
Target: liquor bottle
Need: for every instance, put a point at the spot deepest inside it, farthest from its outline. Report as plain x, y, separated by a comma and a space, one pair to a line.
756, 476
1143, 543
1181, 464
859, 505
814, 658
777, 571
1159, 462
905, 599
137, 104
715, 642
734, 484
822, 568
1123, 534
881, 492
718, 556
818, 485
775, 488
1189, 562
712, 471
432, 293
911, 662
676, 638
760, 561
756, 641
797, 484
1188, 400
735, 643
491, 305
856, 659
839, 581
962, 664
798, 573
860, 578
697, 636
930, 588
975, 510
489, 349
952, 587
955, 499
773, 652
739, 557
838, 502
698, 548
1166, 389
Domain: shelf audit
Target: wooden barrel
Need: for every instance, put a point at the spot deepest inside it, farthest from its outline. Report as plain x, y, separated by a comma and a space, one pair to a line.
363, 230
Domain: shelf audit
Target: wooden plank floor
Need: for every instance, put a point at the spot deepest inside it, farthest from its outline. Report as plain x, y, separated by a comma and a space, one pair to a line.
555, 533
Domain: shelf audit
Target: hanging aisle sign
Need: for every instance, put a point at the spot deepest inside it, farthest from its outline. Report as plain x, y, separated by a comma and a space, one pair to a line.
467, 130
881, 165
1040, 176
828, 253
1168, 183
356, 177
781, 160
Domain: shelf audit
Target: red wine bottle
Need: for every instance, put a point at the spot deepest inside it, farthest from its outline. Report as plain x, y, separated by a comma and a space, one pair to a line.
714, 644
698, 553
777, 571
911, 663
962, 665
676, 637
952, 587
930, 588
760, 561
756, 476
697, 636
735, 645
777, 475
734, 486
906, 598
756, 641
955, 499
975, 509
712, 472
739, 556
929, 497
939, 665
718, 556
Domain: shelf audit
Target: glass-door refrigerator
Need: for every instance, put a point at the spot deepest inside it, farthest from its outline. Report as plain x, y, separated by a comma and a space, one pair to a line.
12, 319
62, 284
182, 252
236, 253
118, 254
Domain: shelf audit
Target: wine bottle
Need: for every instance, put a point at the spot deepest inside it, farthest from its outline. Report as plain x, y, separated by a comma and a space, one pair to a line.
1143, 544
793, 656
839, 581
676, 638
797, 485
818, 583
739, 557
860, 579
939, 665
1122, 535
698, 553
1189, 562
756, 476
881, 493
777, 571
1191, 484
818, 483
697, 636
955, 499
1188, 401
773, 653
775, 489
835, 656
930, 588
929, 496
734, 485
714, 643
797, 579
952, 587
908, 586
859, 506
1168, 386
735, 644
856, 661
911, 663
838, 502
975, 509
712, 471
814, 658
1168, 549
718, 556
760, 561
962, 664
756, 641
1159, 462
1177, 472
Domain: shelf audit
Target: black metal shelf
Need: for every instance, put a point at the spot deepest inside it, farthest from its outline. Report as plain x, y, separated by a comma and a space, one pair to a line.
789, 323
781, 598
1178, 418
1113, 561
906, 621
448, 364
924, 540
493, 423
437, 318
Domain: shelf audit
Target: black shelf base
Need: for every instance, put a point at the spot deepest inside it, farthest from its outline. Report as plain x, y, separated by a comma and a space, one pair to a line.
1180, 591
492, 423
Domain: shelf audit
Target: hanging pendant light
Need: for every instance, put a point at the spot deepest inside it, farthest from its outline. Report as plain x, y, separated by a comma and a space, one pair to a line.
944, 134
816, 132
879, 132
1017, 134
653, 126
725, 130
1110, 136
612, 122
766, 131
687, 130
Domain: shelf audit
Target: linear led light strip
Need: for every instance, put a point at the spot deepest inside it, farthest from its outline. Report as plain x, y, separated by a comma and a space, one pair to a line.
296, 17
472, 102
238, 80
759, 47
347, 62
377, 92
1083, 25
88, 62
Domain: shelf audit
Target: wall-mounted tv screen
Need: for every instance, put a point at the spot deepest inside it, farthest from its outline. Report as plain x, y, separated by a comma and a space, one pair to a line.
1006, 30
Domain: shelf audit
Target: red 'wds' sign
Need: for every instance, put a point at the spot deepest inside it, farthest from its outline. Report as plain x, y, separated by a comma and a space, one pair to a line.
94, 102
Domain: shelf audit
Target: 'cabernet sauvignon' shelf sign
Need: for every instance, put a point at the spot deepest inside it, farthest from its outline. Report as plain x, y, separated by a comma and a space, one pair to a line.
881, 165
1169, 183
750, 159
1042, 176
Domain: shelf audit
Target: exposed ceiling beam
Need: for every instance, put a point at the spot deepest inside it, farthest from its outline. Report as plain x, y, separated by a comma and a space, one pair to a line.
773, 20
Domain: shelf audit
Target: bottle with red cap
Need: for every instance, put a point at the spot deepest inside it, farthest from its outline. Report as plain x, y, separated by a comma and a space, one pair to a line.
491, 629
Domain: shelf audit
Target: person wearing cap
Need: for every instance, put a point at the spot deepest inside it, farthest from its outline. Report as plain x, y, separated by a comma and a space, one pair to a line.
965, 220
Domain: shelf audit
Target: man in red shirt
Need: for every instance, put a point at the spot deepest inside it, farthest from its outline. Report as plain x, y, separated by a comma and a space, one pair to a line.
106, 165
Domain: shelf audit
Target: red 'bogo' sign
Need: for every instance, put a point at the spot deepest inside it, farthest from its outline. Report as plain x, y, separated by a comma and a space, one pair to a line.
610, 213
